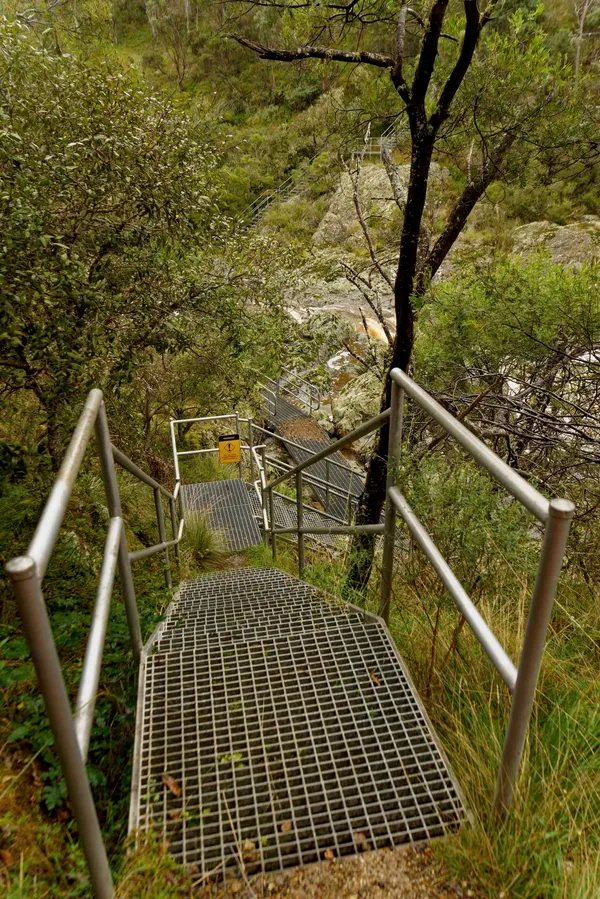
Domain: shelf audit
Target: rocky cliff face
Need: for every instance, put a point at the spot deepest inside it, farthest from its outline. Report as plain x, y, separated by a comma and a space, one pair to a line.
330, 301
570, 244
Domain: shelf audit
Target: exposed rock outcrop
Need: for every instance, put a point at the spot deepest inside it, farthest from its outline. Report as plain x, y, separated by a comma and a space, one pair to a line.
356, 402
567, 244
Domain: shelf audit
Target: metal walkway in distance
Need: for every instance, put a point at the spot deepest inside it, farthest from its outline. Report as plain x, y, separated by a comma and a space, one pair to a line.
228, 510
276, 722
281, 416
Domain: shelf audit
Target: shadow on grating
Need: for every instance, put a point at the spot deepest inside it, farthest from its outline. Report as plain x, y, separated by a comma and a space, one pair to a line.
307, 742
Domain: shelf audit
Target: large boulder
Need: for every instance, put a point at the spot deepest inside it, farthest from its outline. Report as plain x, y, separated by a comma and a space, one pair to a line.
356, 402
340, 226
567, 244
329, 330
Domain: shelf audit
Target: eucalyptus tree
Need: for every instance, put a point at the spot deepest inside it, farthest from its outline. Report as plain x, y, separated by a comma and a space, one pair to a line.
488, 101
105, 195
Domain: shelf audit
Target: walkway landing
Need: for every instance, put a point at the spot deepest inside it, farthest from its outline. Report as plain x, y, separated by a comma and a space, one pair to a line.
228, 510
279, 725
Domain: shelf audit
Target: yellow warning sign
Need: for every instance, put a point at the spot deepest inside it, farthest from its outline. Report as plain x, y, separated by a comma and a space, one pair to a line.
229, 448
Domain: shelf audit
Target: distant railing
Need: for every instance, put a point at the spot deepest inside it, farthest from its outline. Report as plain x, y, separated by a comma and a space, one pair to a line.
350, 494
555, 514
294, 386
72, 731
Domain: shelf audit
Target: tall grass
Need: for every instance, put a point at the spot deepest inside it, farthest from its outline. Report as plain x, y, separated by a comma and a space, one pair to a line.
202, 548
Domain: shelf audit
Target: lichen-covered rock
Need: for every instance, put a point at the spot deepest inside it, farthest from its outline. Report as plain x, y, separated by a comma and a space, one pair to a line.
340, 226
329, 330
356, 402
567, 244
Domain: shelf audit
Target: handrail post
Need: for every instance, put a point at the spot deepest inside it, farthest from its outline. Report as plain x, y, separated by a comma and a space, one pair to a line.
538, 619
277, 391
394, 440
174, 448
327, 494
162, 534
174, 526
113, 500
300, 522
237, 431
272, 517
36, 625
250, 448
263, 494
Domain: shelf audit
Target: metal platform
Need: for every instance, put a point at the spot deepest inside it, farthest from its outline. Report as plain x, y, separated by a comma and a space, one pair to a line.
280, 725
228, 510
345, 479
285, 513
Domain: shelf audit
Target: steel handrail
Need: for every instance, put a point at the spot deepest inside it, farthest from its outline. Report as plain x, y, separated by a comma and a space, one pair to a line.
531, 498
556, 514
495, 652
71, 730
314, 479
286, 440
372, 425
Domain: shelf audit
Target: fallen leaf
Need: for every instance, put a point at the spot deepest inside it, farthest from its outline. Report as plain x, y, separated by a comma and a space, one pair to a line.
360, 837
375, 678
170, 877
175, 815
236, 886
286, 827
172, 785
7, 857
329, 854
248, 846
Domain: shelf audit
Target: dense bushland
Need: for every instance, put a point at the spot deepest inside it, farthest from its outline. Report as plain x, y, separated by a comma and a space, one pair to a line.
133, 138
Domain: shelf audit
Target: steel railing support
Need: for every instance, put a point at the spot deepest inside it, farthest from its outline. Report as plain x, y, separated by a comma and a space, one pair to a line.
174, 525
162, 534
36, 625
111, 488
263, 493
327, 487
272, 519
237, 431
553, 550
300, 521
394, 441
251, 447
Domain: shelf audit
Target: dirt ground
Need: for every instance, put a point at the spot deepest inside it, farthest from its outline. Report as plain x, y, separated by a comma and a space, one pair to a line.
400, 873
302, 427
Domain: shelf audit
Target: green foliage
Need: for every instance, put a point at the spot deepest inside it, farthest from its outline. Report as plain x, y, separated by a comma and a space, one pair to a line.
203, 548
511, 312
101, 185
69, 591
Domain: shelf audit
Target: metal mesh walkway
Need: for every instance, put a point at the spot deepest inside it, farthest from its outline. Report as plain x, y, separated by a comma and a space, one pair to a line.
277, 724
286, 516
228, 510
346, 480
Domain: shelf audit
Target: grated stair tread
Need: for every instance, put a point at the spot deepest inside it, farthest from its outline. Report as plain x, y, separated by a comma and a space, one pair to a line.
287, 720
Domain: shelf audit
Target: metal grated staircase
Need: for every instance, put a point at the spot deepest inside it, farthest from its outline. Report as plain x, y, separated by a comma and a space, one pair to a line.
275, 725
274, 718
